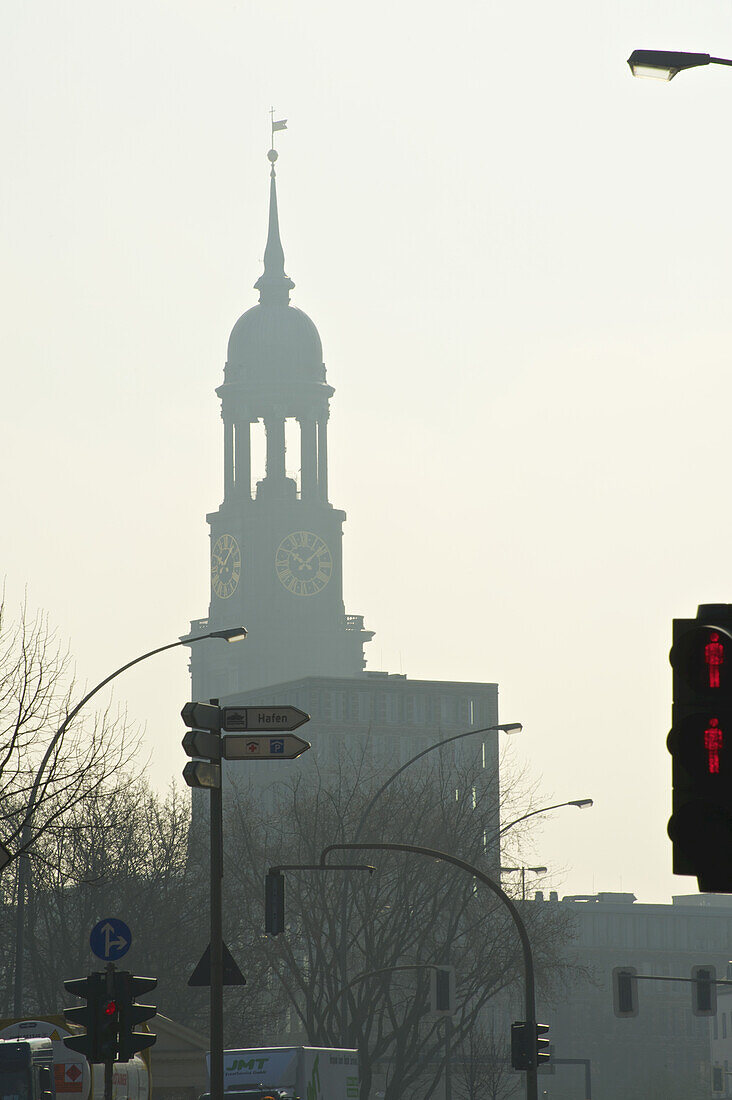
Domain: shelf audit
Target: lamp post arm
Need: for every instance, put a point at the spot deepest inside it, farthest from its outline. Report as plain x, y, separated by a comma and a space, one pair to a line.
70, 717
719, 61
398, 772
433, 853
533, 813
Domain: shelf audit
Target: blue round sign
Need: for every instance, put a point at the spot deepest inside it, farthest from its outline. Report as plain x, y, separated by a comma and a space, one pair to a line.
110, 939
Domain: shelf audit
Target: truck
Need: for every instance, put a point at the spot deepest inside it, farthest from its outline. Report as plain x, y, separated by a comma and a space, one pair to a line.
26, 1069
71, 1071
290, 1073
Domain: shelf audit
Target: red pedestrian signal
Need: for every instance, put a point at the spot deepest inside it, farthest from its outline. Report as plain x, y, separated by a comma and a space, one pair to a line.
700, 743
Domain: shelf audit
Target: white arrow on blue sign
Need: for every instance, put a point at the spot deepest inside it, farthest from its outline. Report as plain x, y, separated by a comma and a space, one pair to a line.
110, 939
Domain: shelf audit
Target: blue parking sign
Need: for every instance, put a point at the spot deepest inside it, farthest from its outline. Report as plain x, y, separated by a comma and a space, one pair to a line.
276, 744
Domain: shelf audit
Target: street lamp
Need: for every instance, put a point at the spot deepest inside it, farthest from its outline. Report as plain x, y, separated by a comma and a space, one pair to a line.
580, 803
506, 727
665, 64
523, 870
447, 857
231, 634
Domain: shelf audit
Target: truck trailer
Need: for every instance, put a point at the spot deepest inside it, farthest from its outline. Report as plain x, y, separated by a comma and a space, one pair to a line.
290, 1073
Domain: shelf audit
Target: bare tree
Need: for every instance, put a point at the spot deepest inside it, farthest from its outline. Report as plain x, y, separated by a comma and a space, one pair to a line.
413, 912
483, 1065
36, 686
124, 851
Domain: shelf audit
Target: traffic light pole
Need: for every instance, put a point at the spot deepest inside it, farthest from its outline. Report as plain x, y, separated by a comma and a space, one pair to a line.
109, 1063
530, 988
216, 1038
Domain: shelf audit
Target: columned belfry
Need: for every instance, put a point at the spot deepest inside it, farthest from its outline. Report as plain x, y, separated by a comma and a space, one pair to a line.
276, 543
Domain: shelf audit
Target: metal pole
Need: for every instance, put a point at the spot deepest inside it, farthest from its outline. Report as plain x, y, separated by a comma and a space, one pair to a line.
109, 1063
433, 853
21, 885
362, 821
448, 1058
216, 1038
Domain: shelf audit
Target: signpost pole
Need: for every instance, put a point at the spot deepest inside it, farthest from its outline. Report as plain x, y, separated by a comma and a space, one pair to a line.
108, 1062
216, 1037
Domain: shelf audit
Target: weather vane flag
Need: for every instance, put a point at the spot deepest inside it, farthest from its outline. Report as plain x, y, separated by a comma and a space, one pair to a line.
277, 124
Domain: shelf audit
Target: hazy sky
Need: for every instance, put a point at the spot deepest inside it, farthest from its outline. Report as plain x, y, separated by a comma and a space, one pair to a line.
517, 257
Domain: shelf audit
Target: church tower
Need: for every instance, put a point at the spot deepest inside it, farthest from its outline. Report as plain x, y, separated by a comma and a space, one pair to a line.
276, 546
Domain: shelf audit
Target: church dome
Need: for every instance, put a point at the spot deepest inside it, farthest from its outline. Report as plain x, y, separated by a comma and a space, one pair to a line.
275, 341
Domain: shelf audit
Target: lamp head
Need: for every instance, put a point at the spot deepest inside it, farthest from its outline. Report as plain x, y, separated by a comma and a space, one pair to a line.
231, 634
664, 64
582, 803
510, 727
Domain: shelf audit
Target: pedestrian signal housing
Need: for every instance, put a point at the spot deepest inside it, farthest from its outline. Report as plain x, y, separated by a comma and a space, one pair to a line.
700, 743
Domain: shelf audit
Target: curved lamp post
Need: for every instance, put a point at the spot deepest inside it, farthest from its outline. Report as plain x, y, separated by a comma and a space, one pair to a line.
580, 803
665, 64
232, 634
523, 870
507, 727
529, 986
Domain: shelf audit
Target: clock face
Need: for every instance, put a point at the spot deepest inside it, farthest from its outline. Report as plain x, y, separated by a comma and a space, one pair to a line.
225, 566
303, 563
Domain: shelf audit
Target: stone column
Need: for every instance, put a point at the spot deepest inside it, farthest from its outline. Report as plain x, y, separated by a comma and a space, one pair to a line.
275, 427
323, 457
308, 458
228, 458
243, 459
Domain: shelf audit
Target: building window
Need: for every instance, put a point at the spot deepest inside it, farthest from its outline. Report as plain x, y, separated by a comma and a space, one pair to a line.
724, 1025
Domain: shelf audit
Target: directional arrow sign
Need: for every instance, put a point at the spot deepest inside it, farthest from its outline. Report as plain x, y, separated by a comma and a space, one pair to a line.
285, 746
201, 716
110, 939
256, 719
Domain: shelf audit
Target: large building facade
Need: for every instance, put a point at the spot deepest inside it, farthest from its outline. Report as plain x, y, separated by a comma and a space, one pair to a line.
663, 1053
277, 559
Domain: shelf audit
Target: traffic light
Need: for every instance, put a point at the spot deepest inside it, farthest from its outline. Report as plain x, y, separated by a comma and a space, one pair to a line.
543, 1045
100, 1017
625, 991
530, 1046
520, 1046
93, 989
700, 743
442, 991
108, 1027
129, 987
274, 903
704, 990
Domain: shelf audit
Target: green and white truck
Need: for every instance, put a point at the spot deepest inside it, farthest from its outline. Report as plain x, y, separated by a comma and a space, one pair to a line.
286, 1073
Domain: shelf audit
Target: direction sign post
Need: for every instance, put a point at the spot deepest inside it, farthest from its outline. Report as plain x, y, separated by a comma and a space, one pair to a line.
263, 734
